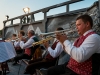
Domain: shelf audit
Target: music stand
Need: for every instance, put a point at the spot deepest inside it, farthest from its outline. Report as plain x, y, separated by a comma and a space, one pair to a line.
7, 52
3, 67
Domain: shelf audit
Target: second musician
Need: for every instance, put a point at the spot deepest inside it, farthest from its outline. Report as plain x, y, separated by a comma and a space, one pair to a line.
27, 46
49, 58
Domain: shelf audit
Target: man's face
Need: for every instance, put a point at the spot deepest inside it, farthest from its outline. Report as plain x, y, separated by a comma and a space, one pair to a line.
29, 34
13, 37
57, 35
81, 26
19, 35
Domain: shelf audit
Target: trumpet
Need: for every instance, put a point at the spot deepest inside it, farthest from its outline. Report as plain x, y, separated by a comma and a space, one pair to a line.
51, 33
41, 41
70, 34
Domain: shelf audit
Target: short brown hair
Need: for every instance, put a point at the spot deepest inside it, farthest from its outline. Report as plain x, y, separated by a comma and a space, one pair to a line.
22, 32
59, 28
32, 32
86, 18
14, 35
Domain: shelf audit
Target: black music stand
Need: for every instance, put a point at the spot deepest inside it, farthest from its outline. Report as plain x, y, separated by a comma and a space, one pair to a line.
4, 65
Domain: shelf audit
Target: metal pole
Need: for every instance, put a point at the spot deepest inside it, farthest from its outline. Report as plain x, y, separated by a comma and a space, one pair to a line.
3, 33
99, 4
67, 8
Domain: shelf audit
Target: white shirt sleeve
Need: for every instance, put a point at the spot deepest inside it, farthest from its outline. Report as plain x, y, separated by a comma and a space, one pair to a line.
55, 53
27, 44
16, 43
90, 46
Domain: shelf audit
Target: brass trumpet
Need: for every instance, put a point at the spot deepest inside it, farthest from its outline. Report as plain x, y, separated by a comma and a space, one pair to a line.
70, 34
41, 41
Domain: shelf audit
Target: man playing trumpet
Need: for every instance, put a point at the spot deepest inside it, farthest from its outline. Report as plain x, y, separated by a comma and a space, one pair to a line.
84, 52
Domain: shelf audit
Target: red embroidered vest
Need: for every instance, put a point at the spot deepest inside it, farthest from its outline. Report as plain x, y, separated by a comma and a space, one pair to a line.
49, 57
84, 68
28, 51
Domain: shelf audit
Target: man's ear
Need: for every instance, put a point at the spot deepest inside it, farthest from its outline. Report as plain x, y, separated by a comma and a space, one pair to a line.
88, 24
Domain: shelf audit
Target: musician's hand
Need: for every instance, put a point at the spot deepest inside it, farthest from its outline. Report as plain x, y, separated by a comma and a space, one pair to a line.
22, 39
46, 44
61, 37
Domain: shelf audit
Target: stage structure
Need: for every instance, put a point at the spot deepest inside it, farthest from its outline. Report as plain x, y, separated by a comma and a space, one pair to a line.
49, 23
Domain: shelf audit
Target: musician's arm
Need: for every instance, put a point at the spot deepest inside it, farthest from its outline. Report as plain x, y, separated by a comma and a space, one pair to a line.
85, 51
55, 53
27, 44
16, 43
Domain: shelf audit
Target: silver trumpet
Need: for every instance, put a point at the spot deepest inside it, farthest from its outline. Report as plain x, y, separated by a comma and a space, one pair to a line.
68, 32
51, 35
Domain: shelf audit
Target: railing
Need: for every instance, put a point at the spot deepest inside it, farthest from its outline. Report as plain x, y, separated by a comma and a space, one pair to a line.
29, 18
44, 10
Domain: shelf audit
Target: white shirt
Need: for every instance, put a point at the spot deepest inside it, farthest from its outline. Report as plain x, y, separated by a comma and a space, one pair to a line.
28, 43
16, 43
55, 53
90, 46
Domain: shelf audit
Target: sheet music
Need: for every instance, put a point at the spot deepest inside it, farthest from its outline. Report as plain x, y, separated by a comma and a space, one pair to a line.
7, 51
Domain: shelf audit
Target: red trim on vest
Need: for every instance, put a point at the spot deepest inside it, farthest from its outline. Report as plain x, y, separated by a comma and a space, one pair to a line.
28, 51
84, 68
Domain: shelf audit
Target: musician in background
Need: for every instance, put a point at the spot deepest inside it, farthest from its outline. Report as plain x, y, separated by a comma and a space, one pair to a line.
17, 40
49, 58
58, 51
81, 51
12, 39
27, 46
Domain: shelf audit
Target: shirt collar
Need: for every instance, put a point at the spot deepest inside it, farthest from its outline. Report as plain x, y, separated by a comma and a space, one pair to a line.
32, 36
87, 32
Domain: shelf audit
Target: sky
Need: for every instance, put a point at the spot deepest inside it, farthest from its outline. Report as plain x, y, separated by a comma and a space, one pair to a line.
14, 8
